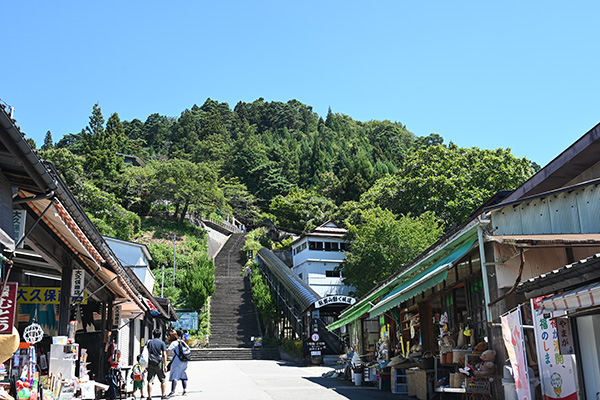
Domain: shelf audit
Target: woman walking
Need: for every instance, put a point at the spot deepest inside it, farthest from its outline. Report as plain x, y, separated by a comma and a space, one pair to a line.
179, 364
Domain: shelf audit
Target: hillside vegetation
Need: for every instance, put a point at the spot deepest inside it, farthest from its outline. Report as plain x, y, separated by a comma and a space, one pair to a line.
280, 161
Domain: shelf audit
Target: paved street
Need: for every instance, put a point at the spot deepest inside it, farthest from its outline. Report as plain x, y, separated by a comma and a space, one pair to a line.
268, 380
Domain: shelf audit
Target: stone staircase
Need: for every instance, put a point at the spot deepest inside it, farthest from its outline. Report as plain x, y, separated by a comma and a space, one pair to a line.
211, 354
233, 319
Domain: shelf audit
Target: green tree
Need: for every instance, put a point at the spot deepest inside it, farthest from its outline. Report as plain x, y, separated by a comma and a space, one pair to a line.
449, 181
199, 282
48, 144
185, 183
381, 243
301, 209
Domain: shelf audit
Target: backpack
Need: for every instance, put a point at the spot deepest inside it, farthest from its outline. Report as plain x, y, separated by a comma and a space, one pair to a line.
184, 353
137, 373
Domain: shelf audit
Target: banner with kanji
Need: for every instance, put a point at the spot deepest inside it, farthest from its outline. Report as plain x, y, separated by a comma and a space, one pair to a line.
44, 295
554, 343
512, 333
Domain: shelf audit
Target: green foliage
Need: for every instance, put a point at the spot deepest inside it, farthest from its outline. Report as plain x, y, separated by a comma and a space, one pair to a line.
262, 298
117, 221
449, 181
293, 347
256, 240
199, 282
382, 243
48, 144
285, 245
302, 210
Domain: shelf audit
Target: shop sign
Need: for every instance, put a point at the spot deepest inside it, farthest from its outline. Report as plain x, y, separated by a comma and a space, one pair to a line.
153, 310
554, 343
512, 333
7, 308
44, 295
334, 300
19, 226
565, 336
77, 282
187, 320
117, 315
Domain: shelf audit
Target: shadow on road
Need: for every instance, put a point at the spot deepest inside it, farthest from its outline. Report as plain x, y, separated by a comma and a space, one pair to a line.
352, 392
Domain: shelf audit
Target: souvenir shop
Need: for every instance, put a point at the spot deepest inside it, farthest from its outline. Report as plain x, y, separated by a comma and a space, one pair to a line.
416, 338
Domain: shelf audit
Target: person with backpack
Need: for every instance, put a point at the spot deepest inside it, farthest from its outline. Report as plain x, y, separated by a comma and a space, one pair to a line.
137, 375
157, 362
181, 356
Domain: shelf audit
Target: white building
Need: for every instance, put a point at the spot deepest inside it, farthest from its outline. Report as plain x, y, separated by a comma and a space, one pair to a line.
315, 258
135, 256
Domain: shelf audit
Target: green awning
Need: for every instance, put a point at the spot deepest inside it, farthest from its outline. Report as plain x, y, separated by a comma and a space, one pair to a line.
360, 308
427, 279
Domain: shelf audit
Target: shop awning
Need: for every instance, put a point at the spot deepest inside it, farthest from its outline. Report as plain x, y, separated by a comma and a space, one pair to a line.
427, 279
581, 297
7, 242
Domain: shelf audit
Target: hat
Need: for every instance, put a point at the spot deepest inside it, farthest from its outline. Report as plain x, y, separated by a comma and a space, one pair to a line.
9, 343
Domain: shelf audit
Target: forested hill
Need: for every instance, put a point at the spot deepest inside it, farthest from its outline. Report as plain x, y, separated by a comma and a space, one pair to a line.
395, 193
278, 160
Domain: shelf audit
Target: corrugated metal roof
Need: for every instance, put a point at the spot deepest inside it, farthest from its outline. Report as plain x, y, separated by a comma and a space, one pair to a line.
577, 273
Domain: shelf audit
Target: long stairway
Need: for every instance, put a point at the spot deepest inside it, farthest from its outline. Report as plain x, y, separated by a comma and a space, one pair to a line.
233, 319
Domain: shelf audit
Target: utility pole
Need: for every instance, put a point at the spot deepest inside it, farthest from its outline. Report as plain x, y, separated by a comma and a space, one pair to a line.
174, 237
162, 285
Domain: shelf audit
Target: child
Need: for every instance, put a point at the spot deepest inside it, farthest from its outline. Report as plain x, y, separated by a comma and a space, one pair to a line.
137, 375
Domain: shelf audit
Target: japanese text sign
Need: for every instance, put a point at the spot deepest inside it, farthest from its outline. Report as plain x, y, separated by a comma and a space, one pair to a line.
554, 344
44, 295
7, 308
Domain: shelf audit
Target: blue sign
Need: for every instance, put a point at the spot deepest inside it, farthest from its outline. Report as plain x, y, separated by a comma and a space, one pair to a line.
187, 320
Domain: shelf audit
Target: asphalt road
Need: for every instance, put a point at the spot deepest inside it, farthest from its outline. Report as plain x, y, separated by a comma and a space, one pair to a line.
268, 380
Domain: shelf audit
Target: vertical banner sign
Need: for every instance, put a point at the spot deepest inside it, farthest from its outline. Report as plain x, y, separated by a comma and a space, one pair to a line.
554, 343
19, 226
117, 315
8, 303
77, 283
512, 332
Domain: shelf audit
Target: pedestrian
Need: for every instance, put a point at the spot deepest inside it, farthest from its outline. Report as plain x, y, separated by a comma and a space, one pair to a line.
179, 364
137, 375
157, 363
186, 336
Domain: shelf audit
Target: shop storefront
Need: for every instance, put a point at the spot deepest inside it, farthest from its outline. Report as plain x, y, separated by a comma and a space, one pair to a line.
567, 320
68, 287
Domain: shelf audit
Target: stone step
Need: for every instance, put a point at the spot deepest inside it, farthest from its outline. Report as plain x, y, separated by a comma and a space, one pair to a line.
235, 354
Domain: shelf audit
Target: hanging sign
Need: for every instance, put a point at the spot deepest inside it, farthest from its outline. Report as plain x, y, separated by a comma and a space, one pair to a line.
19, 226
554, 343
117, 315
8, 305
151, 308
334, 300
77, 282
44, 295
512, 333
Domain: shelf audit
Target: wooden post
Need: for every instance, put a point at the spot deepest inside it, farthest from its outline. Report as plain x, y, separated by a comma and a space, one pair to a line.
64, 308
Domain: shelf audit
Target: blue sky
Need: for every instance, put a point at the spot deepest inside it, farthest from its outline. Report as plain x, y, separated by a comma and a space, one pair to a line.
516, 74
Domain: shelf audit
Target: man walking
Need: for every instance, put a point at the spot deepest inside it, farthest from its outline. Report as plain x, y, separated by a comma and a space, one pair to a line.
157, 363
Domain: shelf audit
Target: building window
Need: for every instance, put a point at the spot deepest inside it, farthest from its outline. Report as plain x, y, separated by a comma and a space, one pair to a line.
344, 246
333, 274
331, 246
315, 246
300, 275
